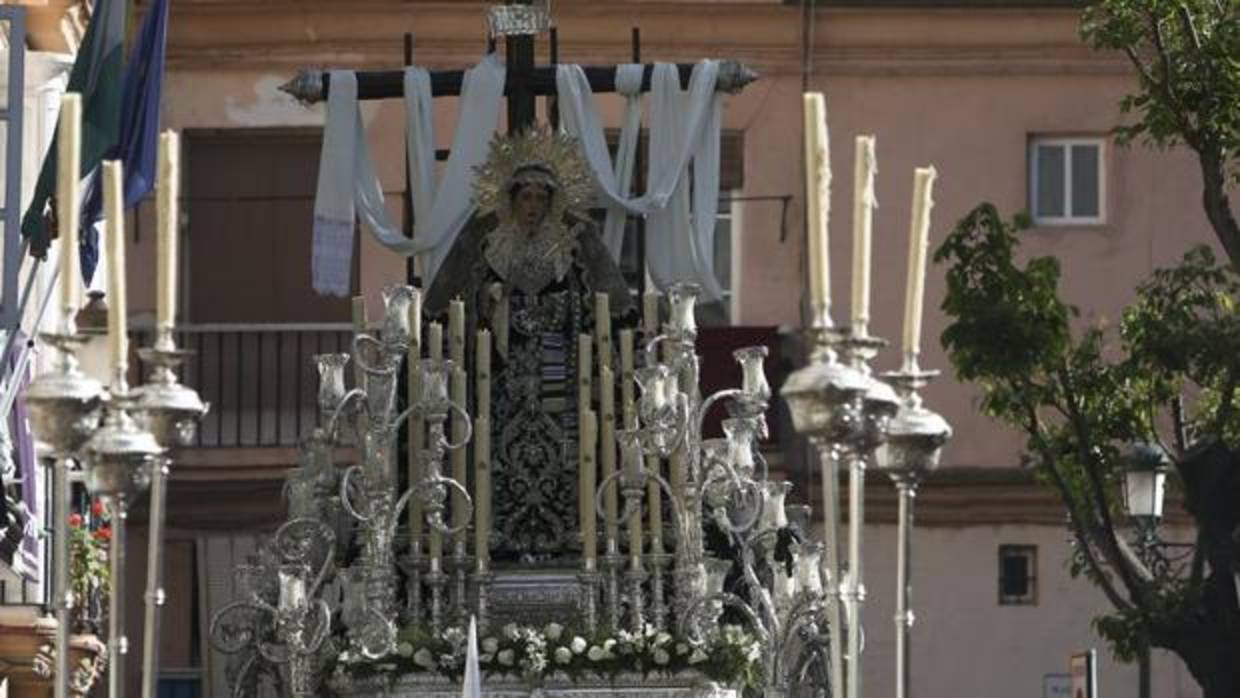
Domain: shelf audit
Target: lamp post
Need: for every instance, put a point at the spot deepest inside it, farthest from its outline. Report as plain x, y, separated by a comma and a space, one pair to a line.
1145, 479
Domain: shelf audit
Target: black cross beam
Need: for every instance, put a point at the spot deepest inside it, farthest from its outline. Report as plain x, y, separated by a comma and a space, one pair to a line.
520, 86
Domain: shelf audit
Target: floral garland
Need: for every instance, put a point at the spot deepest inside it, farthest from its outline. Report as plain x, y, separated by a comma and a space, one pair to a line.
731, 657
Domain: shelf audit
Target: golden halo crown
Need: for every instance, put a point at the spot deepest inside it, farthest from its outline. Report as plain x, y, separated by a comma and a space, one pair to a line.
534, 156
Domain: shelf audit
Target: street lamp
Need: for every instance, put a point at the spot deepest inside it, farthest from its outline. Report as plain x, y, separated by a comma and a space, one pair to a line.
1145, 479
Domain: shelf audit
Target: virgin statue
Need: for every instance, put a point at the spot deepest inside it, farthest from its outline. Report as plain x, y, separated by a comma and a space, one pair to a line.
528, 267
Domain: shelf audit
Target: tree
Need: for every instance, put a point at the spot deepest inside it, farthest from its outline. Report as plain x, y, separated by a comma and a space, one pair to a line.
1169, 376
1187, 58
1081, 398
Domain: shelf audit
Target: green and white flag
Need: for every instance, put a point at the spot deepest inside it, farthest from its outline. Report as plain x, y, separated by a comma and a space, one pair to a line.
96, 75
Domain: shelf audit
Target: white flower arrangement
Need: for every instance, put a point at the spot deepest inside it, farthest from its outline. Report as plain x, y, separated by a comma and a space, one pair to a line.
730, 656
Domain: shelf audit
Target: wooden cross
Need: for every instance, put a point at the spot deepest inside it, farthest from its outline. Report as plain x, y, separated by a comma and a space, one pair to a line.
524, 83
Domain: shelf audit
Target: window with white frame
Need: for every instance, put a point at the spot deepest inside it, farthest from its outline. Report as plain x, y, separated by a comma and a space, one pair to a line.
1067, 181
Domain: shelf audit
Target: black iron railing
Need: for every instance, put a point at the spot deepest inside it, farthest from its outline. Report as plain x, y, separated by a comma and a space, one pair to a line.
260, 379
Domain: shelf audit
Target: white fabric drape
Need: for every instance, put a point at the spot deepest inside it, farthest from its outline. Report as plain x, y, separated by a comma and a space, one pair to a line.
685, 128
349, 186
684, 134
579, 118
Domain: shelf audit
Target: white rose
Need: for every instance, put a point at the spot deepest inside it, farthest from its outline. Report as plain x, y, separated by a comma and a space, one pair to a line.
596, 653
661, 657
490, 645
563, 655
506, 657
554, 631
404, 649
697, 657
511, 631
423, 658
579, 645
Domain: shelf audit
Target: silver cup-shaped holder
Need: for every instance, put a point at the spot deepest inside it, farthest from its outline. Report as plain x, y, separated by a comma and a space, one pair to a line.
397, 327
166, 408
64, 403
754, 386
682, 299
741, 433
825, 399
915, 438
331, 381
773, 515
716, 470
808, 567
119, 456
433, 398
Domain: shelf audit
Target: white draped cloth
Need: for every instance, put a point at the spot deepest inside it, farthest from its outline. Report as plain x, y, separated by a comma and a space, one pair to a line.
684, 133
348, 186
684, 138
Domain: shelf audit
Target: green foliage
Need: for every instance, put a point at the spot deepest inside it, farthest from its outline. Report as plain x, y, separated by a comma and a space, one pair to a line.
1188, 52
1079, 396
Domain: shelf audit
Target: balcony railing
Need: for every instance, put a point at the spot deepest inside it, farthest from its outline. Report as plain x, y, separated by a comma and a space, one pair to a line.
259, 379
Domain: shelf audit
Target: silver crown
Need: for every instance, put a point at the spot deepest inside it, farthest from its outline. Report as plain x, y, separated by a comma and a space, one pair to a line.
506, 20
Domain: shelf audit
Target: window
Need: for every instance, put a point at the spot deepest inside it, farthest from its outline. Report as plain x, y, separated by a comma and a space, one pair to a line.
1018, 575
1066, 181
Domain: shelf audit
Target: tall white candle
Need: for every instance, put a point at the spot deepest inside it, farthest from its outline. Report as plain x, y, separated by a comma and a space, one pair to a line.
68, 170
114, 232
863, 220
169, 187
817, 203
919, 240
587, 478
482, 450
607, 448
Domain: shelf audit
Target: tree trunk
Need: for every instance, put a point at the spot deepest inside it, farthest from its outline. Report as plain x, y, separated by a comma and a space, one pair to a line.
1217, 206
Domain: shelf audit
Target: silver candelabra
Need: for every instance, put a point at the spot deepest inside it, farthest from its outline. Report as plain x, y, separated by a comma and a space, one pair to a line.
852, 417
295, 589
120, 438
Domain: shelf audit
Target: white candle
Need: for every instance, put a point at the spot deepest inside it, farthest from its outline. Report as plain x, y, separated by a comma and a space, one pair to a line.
585, 364
482, 491
169, 185
482, 450
460, 464
586, 485
919, 240
864, 204
434, 338
602, 327
114, 232
627, 387
417, 427
68, 169
456, 332
607, 447
817, 204
650, 315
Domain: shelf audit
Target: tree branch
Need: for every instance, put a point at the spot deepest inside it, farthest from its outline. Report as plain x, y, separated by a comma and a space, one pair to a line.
1181, 427
1076, 518
1215, 201
1097, 491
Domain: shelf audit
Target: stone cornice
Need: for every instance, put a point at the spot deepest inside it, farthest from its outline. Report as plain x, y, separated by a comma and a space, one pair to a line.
282, 35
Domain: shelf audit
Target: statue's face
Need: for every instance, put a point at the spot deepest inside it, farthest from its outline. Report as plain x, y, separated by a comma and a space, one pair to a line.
530, 205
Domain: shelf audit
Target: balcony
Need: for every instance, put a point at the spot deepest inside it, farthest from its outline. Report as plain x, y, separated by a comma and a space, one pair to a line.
259, 379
